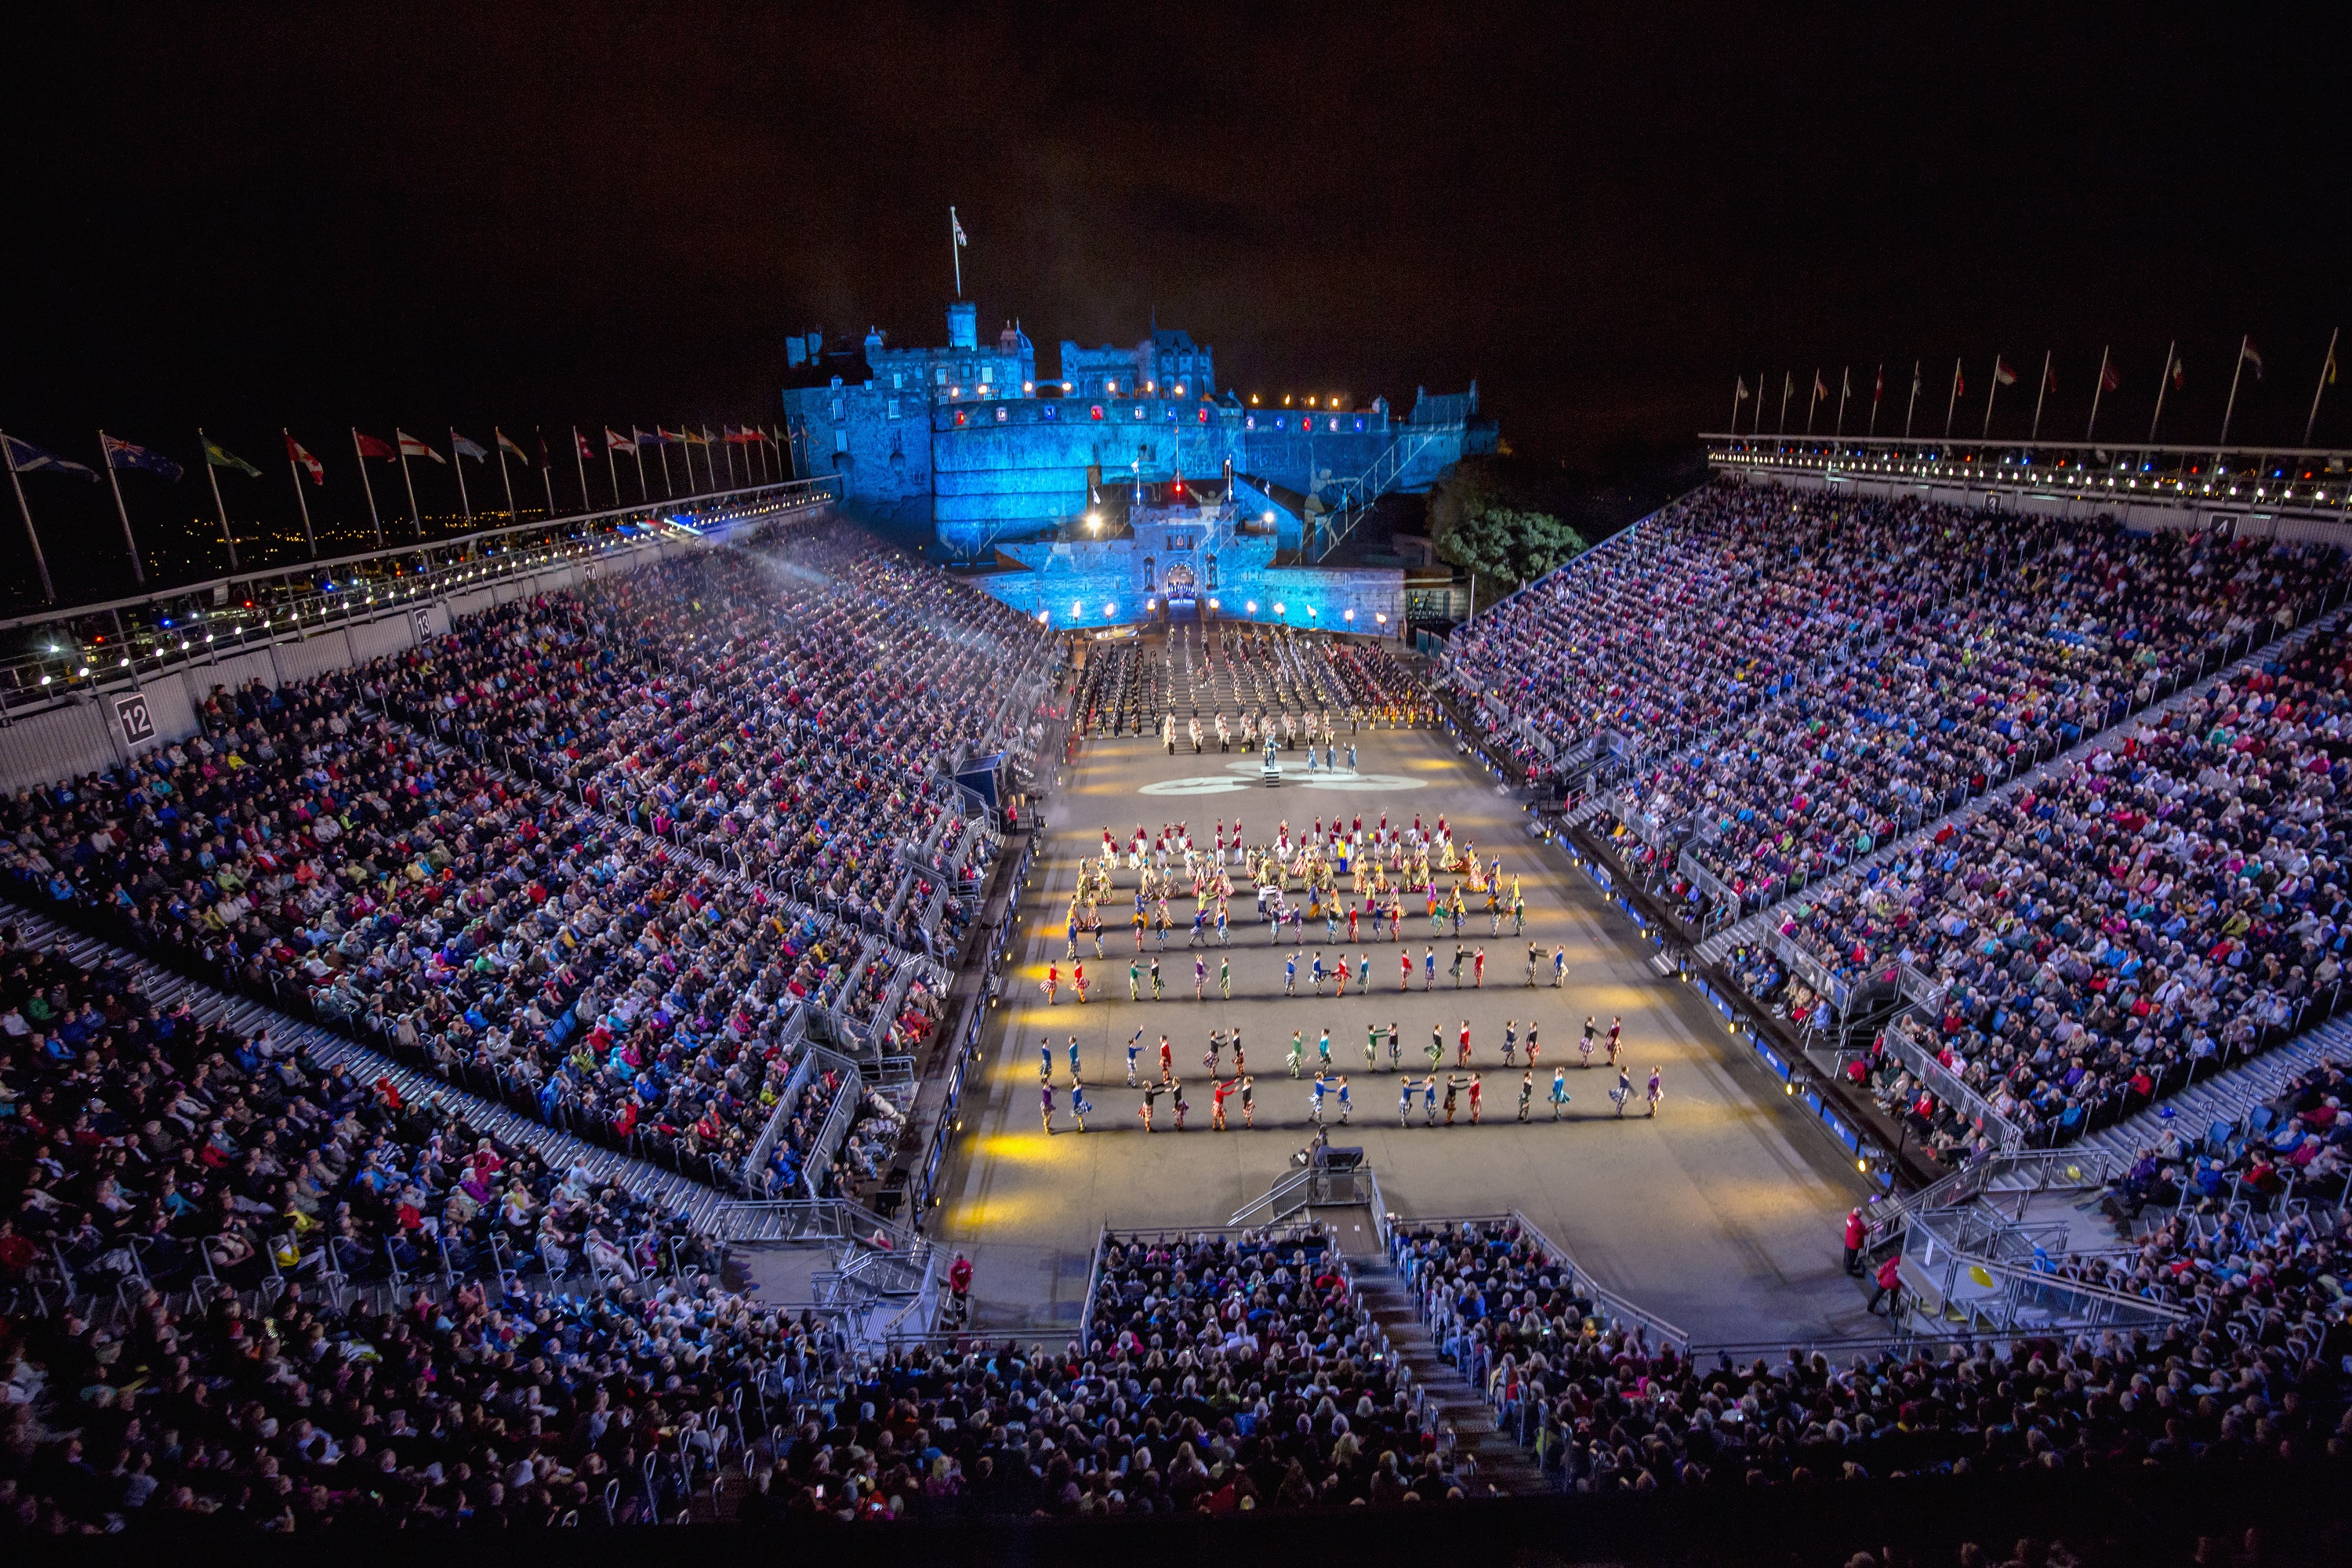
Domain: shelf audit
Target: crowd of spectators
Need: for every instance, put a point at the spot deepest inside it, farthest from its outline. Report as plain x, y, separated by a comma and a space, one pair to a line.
2171, 902
2251, 1374
2091, 624
1676, 629
650, 817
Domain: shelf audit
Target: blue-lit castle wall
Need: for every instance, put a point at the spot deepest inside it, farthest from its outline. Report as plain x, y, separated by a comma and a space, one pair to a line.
959, 440
1210, 559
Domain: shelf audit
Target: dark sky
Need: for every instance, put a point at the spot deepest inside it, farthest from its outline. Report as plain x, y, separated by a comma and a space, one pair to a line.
257, 217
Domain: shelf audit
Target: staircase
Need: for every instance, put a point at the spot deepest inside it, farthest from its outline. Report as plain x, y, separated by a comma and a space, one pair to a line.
1500, 1463
2227, 1096
560, 1149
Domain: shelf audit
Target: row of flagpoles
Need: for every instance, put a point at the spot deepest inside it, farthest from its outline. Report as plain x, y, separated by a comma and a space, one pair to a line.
763, 463
2173, 376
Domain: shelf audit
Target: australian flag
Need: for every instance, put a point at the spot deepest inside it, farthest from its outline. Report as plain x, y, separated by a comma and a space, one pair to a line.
124, 454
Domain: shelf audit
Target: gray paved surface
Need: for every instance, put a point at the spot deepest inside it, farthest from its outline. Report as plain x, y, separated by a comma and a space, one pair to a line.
1722, 1215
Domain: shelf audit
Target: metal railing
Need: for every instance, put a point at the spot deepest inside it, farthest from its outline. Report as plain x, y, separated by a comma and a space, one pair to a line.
2314, 482
75, 649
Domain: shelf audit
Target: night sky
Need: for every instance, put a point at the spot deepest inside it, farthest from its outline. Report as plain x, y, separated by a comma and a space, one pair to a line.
419, 216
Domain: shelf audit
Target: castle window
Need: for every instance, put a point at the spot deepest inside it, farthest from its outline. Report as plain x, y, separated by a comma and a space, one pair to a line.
1172, 413
939, 376
1138, 411
837, 408
1051, 412
1147, 574
1211, 563
1360, 424
840, 442
1097, 410
898, 380
959, 416
894, 408
1205, 414
1002, 414
1249, 422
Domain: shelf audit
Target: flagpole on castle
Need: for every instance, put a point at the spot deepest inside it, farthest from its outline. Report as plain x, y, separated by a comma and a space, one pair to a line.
48, 591
369, 485
138, 569
212, 477
955, 249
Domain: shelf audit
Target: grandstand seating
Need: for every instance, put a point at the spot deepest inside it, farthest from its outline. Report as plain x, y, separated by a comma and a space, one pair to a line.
1893, 699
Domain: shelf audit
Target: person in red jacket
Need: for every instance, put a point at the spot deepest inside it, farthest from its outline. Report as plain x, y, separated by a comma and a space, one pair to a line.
1889, 1286
1854, 1232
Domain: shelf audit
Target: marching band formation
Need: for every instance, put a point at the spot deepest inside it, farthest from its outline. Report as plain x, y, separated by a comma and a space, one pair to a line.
1296, 878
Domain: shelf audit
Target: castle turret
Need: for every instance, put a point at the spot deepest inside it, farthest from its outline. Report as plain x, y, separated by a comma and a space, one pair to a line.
963, 325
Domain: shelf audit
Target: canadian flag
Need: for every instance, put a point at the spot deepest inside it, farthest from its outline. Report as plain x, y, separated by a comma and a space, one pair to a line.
309, 464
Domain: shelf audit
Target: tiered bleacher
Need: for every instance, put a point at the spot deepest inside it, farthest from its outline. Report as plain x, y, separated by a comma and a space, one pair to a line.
2254, 1380
1780, 687
680, 803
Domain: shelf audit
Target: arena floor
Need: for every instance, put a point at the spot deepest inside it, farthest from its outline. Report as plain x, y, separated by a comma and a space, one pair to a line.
1723, 1214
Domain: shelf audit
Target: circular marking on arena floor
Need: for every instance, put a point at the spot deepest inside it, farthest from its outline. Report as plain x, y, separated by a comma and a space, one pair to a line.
1251, 775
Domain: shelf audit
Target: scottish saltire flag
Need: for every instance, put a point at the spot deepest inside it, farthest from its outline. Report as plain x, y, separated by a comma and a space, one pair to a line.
27, 458
465, 448
124, 454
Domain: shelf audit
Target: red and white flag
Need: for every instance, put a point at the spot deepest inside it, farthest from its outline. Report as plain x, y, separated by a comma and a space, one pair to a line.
2179, 373
1878, 388
2109, 381
2254, 357
410, 446
582, 442
2050, 376
371, 447
616, 441
301, 458
2002, 374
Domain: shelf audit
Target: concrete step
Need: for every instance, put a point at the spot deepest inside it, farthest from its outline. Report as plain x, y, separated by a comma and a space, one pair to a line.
1502, 1465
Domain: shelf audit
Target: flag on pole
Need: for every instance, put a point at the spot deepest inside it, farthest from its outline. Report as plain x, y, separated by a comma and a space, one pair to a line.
2179, 373
1845, 382
124, 454
616, 442
2050, 376
693, 440
958, 226
507, 441
410, 446
2002, 374
1960, 383
220, 456
1819, 392
582, 442
371, 447
27, 458
2110, 379
2254, 357
297, 453
1878, 388
1914, 380
465, 448
1740, 393
668, 437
